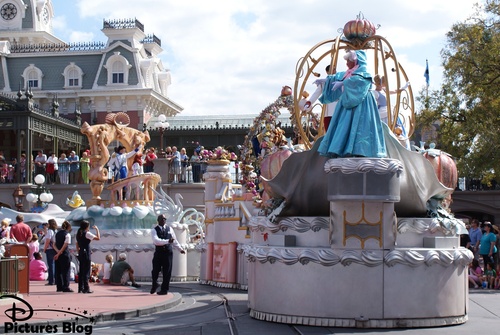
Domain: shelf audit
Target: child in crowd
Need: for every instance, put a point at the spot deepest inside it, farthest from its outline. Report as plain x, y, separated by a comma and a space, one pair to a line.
107, 269
72, 272
496, 283
475, 273
38, 269
34, 246
489, 276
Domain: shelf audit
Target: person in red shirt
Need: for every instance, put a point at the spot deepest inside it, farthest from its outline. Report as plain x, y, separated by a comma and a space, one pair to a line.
21, 231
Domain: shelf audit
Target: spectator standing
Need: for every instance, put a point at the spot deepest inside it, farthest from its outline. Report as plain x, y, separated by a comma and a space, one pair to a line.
83, 239
74, 167
63, 169
122, 272
40, 161
475, 235
148, 162
15, 165
168, 156
48, 248
184, 165
196, 166
496, 231
62, 258
22, 164
52, 168
38, 269
11, 173
175, 165
34, 246
85, 166
163, 239
487, 246
5, 229
21, 232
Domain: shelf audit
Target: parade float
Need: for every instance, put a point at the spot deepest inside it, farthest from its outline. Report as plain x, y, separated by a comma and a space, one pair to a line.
346, 242
126, 218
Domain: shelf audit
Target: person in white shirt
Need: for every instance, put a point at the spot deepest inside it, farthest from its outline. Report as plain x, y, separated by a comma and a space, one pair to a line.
52, 168
163, 239
330, 108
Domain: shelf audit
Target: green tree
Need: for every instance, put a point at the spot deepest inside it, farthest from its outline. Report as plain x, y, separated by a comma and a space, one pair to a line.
467, 106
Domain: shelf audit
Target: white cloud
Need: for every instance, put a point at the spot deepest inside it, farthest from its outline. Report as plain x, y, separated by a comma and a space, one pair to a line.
233, 56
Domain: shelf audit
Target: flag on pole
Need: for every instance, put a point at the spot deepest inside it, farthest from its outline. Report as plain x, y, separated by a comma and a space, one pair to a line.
426, 73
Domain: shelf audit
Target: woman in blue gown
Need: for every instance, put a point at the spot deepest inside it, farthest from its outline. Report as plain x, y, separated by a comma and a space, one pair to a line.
355, 129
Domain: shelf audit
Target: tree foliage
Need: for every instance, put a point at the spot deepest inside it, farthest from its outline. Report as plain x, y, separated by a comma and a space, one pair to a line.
467, 106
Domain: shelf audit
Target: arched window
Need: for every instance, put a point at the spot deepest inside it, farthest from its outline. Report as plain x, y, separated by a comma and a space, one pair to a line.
118, 73
32, 77
118, 68
72, 76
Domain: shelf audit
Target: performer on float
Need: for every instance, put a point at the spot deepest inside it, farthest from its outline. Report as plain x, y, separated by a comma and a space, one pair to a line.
355, 129
330, 107
381, 97
121, 160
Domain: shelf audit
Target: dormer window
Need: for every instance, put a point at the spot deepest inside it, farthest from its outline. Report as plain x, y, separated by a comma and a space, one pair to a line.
118, 73
33, 77
72, 76
118, 68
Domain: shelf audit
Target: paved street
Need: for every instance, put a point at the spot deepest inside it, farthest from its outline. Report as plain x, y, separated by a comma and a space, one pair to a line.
203, 311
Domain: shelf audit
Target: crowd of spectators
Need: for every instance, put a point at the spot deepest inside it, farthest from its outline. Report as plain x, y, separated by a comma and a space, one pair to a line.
483, 241
70, 167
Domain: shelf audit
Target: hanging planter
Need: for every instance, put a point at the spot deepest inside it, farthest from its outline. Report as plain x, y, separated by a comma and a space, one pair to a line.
359, 29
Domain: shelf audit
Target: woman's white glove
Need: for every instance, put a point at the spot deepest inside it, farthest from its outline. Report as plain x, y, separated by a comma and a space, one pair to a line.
405, 86
319, 82
337, 85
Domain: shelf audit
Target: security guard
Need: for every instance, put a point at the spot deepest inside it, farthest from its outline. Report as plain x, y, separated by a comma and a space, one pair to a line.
163, 239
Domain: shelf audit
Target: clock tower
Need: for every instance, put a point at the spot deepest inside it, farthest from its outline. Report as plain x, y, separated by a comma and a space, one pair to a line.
27, 21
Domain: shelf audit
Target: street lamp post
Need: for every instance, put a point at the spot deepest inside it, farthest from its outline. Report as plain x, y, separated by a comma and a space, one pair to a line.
161, 125
40, 196
18, 198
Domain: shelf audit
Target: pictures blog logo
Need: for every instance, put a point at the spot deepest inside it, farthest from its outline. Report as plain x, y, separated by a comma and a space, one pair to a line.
23, 311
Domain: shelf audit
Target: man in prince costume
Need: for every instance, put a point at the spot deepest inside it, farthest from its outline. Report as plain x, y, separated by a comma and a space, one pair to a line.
355, 129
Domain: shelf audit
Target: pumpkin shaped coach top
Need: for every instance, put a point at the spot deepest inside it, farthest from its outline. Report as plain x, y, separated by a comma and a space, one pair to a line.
359, 29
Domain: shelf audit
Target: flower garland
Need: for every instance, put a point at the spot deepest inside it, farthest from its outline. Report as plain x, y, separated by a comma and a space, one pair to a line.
265, 136
218, 153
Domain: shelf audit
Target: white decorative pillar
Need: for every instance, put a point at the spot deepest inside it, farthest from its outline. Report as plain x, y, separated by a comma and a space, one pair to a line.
179, 266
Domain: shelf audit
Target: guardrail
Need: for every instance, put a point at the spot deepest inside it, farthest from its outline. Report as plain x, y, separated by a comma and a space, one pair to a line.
9, 281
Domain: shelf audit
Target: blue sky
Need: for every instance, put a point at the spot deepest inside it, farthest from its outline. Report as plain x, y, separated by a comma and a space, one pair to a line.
233, 56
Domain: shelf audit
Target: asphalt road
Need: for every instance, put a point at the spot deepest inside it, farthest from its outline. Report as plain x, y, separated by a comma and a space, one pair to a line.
207, 310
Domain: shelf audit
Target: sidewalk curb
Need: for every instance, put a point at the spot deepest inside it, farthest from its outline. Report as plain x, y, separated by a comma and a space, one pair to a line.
132, 313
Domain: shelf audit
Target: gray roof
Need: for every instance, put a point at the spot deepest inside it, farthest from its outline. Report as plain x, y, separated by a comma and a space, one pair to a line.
227, 121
